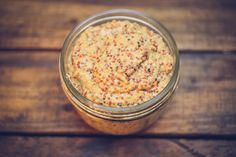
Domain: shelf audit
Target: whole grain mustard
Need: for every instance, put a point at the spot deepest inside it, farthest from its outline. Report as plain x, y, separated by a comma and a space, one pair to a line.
120, 63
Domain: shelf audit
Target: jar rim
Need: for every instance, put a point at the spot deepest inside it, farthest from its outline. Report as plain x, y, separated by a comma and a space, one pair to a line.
127, 111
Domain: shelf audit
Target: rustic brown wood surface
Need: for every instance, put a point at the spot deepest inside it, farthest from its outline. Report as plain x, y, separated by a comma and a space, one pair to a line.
106, 147
196, 25
33, 101
37, 120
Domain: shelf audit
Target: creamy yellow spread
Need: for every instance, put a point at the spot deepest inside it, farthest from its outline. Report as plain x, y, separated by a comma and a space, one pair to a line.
119, 63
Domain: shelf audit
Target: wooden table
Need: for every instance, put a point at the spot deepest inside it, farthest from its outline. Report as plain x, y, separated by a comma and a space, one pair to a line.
36, 119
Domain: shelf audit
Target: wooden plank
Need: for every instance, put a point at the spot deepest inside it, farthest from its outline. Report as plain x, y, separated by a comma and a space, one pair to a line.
155, 3
196, 25
32, 100
47, 146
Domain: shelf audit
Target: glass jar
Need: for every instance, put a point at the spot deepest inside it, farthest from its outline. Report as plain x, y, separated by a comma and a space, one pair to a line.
118, 120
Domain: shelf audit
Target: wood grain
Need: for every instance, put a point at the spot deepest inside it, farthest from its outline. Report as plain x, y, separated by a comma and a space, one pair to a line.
32, 100
196, 25
61, 147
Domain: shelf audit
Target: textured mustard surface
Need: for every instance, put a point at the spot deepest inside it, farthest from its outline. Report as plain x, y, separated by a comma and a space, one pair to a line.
119, 63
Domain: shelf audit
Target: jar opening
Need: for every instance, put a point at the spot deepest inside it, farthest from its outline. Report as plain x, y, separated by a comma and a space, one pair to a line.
99, 109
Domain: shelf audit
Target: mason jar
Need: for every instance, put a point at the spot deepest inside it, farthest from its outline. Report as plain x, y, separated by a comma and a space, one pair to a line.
118, 120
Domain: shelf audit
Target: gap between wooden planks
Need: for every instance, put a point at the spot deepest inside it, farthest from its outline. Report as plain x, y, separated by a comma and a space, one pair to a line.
196, 25
32, 100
